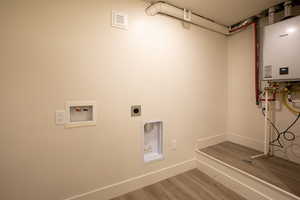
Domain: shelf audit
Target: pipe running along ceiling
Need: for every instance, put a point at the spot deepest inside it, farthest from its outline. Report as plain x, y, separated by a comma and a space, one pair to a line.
227, 12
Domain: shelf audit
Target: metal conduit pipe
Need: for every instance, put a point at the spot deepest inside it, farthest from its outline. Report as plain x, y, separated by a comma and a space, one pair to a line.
178, 13
271, 16
266, 129
288, 9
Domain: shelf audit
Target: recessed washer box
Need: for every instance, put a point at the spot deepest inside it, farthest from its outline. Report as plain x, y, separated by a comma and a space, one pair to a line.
80, 113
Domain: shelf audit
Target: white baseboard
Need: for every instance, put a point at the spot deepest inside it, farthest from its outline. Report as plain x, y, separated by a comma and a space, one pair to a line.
135, 183
246, 185
210, 141
246, 141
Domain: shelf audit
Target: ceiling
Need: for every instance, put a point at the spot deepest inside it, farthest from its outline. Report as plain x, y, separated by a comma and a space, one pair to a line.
227, 12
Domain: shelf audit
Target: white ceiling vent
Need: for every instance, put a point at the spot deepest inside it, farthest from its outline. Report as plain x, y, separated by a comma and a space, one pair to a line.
119, 20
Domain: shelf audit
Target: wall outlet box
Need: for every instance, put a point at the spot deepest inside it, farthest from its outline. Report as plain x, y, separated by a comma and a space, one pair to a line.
174, 144
136, 110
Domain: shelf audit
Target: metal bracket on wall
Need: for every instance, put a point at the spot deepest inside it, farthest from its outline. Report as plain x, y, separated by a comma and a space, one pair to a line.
187, 15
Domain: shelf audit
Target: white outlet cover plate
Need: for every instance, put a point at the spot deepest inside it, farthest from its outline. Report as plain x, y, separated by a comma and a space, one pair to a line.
174, 144
60, 117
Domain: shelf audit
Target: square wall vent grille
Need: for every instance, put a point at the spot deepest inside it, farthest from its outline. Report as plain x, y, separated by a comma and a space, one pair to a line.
119, 20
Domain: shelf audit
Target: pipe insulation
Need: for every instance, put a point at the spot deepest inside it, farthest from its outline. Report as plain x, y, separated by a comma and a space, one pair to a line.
179, 13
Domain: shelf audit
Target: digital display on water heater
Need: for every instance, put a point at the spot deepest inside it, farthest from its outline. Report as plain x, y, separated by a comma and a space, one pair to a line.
283, 70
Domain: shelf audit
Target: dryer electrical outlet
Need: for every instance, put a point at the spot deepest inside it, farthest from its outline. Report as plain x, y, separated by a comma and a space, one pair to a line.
281, 60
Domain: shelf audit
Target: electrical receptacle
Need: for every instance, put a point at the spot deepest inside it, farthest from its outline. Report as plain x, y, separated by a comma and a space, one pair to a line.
174, 145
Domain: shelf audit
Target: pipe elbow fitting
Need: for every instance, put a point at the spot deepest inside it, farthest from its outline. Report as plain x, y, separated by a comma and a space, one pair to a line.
154, 9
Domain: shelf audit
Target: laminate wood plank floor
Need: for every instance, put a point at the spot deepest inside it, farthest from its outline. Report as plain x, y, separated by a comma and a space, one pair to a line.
191, 185
277, 171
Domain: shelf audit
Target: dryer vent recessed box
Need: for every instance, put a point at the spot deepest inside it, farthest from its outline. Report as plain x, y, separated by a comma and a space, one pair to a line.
153, 141
281, 51
81, 113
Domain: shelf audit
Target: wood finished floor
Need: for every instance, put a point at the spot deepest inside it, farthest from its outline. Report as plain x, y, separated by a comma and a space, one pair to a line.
191, 185
277, 171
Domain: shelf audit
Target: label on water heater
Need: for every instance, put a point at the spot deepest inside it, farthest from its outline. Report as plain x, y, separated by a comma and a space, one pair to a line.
268, 71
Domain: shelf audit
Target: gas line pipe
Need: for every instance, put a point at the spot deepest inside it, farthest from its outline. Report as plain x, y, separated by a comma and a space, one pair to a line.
266, 129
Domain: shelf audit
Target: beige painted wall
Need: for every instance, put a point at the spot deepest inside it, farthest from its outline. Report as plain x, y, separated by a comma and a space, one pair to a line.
54, 51
245, 120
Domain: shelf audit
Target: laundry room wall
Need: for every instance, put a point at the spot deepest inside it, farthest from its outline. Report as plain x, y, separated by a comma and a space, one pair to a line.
57, 51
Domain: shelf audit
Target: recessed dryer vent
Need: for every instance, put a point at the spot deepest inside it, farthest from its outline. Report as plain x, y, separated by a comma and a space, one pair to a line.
153, 141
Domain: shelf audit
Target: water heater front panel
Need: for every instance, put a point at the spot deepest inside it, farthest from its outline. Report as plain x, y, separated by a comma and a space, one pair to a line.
281, 51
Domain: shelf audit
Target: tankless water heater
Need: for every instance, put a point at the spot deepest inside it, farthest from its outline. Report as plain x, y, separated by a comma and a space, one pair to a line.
281, 51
